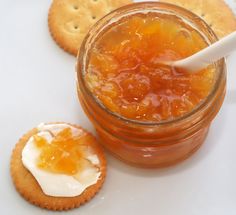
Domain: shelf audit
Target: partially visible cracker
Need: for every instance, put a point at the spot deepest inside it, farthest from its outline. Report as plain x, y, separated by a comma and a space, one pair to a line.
216, 13
29, 188
70, 20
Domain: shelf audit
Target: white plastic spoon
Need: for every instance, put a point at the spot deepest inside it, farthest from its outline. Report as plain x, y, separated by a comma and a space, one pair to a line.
208, 55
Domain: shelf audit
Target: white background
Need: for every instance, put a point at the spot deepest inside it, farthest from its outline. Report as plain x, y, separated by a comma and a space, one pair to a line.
37, 84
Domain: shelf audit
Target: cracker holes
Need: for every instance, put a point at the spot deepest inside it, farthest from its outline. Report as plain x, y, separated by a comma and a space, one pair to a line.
95, 0
76, 27
75, 7
203, 14
94, 17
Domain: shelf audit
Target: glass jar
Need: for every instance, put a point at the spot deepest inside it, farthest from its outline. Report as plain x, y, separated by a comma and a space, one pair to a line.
151, 144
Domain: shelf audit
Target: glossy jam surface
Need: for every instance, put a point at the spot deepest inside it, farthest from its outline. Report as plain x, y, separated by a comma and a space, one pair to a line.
125, 74
65, 154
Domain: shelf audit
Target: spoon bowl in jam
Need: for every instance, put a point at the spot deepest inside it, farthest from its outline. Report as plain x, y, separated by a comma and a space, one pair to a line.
207, 56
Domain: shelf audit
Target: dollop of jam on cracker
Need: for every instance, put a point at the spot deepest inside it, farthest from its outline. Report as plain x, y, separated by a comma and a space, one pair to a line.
64, 154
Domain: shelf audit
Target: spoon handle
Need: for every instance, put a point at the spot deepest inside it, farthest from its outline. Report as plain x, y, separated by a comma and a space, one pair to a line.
208, 55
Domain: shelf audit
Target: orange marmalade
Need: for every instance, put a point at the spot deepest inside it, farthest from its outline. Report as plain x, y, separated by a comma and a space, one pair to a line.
145, 113
65, 154
125, 73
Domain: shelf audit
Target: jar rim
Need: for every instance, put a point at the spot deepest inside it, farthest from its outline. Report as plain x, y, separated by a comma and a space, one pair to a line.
81, 57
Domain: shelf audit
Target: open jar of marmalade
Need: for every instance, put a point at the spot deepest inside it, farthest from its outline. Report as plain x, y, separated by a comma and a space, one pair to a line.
145, 113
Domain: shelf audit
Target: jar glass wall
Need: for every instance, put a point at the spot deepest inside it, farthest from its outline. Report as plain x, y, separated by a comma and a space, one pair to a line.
150, 144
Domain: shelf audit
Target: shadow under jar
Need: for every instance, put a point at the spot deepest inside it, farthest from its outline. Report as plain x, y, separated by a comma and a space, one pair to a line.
150, 143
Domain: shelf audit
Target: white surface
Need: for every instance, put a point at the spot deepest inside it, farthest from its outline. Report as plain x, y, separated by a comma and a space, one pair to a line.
37, 84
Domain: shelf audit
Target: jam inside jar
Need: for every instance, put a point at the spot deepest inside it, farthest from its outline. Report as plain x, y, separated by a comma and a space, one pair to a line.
146, 113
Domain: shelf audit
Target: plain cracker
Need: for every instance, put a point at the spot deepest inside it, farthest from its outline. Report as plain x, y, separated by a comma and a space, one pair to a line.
29, 188
216, 13
70, 20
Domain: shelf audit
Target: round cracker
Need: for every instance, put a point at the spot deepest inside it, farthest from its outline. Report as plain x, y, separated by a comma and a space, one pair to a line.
28, 187
216, 13
70, 20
